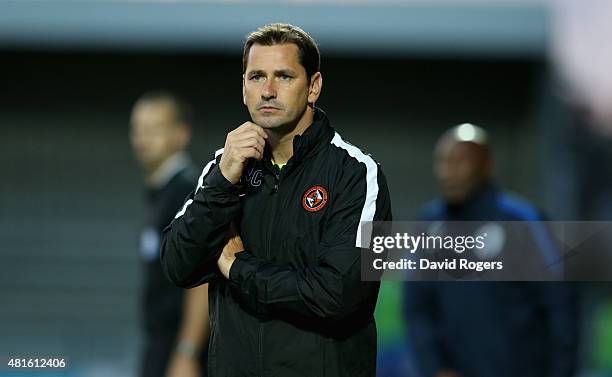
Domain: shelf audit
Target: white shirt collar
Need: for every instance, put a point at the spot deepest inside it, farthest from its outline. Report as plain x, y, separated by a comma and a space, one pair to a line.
168, 169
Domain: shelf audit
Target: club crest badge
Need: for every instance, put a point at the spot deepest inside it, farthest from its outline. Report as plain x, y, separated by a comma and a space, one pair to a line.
314, 198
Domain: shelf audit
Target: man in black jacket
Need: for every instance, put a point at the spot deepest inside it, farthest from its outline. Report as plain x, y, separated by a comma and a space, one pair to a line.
274, 225
175, 320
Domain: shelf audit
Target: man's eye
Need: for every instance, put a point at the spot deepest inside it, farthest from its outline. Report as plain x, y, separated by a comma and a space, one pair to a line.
256, 77
284, 77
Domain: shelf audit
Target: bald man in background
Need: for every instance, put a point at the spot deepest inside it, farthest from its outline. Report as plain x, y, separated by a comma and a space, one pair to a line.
175, 320
479, 328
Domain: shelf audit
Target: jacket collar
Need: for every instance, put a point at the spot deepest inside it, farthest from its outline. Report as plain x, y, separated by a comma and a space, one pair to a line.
168, 170
310, 142
314, 138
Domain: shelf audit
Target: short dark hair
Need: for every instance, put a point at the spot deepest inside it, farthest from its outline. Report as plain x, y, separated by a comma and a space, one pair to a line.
182, 110
279, 33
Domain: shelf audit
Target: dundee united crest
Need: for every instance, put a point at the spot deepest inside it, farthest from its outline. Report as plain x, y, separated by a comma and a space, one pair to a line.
314, 198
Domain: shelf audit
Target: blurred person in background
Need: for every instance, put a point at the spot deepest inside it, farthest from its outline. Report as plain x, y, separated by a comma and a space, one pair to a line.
486, 329
175, 320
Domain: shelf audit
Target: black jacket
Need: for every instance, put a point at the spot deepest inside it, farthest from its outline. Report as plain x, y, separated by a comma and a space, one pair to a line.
162, 301
295, 304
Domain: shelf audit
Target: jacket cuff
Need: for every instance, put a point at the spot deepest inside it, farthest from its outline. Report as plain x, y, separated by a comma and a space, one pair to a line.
241, 269
217, 180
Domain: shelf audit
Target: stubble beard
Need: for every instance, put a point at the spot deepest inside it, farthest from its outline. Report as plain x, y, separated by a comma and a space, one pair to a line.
279, 125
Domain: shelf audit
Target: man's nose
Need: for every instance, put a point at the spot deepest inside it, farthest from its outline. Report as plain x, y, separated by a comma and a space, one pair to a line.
269, 90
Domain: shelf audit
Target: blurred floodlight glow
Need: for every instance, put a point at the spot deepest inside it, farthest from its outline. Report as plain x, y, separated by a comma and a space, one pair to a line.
466, 132
470, 133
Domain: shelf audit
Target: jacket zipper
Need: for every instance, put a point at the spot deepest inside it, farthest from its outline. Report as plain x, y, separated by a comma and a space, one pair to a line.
273, 212
269, 243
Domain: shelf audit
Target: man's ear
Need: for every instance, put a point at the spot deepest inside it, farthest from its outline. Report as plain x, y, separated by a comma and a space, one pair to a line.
243, 91
316, 84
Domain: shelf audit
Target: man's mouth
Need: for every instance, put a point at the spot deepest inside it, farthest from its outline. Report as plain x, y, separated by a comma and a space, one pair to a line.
268, 109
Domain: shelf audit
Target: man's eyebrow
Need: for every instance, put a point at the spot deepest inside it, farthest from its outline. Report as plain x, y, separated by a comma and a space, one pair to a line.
255, 72
278, 72
287, 71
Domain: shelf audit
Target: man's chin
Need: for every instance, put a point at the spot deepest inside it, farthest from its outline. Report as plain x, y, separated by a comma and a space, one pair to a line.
269, 122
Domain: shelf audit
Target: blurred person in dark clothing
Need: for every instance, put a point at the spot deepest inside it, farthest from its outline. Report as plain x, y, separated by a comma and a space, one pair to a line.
175, 320
486, 329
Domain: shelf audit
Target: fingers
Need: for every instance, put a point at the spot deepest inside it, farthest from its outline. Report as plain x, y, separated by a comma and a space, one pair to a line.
246, 141
248, 129
250, 126
255, 142
250, 152
233, 245
247, 146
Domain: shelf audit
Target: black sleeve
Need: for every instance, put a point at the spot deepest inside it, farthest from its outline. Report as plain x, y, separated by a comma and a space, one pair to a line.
333, 287
193, 241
